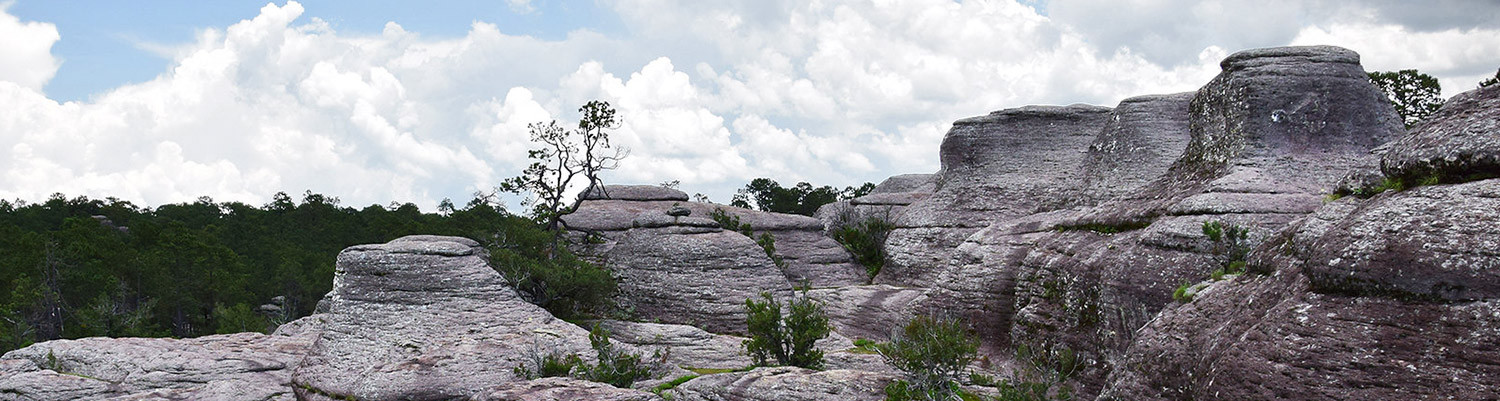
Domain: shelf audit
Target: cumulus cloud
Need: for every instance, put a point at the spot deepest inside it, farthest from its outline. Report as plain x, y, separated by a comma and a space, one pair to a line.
26, 52
710, 93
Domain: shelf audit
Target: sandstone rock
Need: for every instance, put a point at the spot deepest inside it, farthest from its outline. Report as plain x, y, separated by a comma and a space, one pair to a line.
423, 317
1461, 139
219, 367
1273, 133
689, 346
907, 183
634, 193
785, 384
869, 311
561, 389
1142, 138
809, 255
692, 275
1429, 243
1262, 337
1007, 164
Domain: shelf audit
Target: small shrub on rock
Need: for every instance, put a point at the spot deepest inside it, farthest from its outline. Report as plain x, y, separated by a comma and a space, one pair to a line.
766, 241
615, 367
866, 241
788, 341
551, 277
933, 352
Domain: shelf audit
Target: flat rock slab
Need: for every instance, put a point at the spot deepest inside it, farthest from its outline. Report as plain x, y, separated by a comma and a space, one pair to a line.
634, 193
244, 366
424, 317
688, 346
561, 389
786, 384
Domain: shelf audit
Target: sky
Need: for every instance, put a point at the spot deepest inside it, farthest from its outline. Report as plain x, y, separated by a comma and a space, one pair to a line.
386, 101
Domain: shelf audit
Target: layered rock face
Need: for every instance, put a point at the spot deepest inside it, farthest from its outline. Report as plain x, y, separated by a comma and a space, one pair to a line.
1007, 164
809, 255
1142, 137
1390, 298
686, 270
1269, 138
244, 366
424, 317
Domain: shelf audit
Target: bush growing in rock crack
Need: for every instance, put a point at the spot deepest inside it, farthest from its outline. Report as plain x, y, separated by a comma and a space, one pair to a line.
766, 241
863, 236
553, 278
788, 340
1230, 245
933, 352
614, 367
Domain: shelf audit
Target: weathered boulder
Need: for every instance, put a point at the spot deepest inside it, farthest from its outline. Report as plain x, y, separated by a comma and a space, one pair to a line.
424, 317
809, 255
561, 389
1007, 164
1311, 326
785, 384
634, 193
1462, 139
244, 366
693, 275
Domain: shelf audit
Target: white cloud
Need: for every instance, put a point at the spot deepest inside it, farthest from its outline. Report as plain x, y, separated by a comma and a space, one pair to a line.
710, 93
26, 51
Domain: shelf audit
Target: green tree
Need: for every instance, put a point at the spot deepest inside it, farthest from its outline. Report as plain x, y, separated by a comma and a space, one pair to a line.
1491, 81
933, 353
767, 195
788, 340
564, 157
1415, 95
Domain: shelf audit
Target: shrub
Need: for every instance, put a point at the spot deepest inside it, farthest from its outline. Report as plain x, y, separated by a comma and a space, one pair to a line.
1230, 245
788, 340
933, 353
766, 241
1042, 376
866, 241
615, 367
553, 278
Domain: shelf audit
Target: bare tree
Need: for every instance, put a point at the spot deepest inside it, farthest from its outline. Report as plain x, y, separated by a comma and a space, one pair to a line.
565, 157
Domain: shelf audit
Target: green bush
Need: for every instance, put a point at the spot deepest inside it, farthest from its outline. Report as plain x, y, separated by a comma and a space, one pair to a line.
553, 278
614, 367
1231, 245
866, 241
788, 340
1042, 375
933, 353
766, 241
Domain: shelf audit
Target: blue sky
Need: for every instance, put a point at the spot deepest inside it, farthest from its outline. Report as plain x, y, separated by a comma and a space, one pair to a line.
108, 43
379, 101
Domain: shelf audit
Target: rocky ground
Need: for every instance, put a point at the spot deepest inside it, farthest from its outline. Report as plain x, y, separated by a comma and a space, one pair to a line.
1371, 270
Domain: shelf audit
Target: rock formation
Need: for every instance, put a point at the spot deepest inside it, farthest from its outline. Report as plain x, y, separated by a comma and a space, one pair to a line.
809, 255
1051, 227
1007, 164
1394, 297
686, 270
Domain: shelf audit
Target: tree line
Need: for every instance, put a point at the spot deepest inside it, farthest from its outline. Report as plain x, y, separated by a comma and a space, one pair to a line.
80, 267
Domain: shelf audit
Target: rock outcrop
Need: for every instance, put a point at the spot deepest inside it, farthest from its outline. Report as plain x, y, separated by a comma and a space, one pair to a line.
686, 270
1270, 137
786, 384
424, 317
1007, 164
244, 366
1389, 298
561, 389
809, 254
